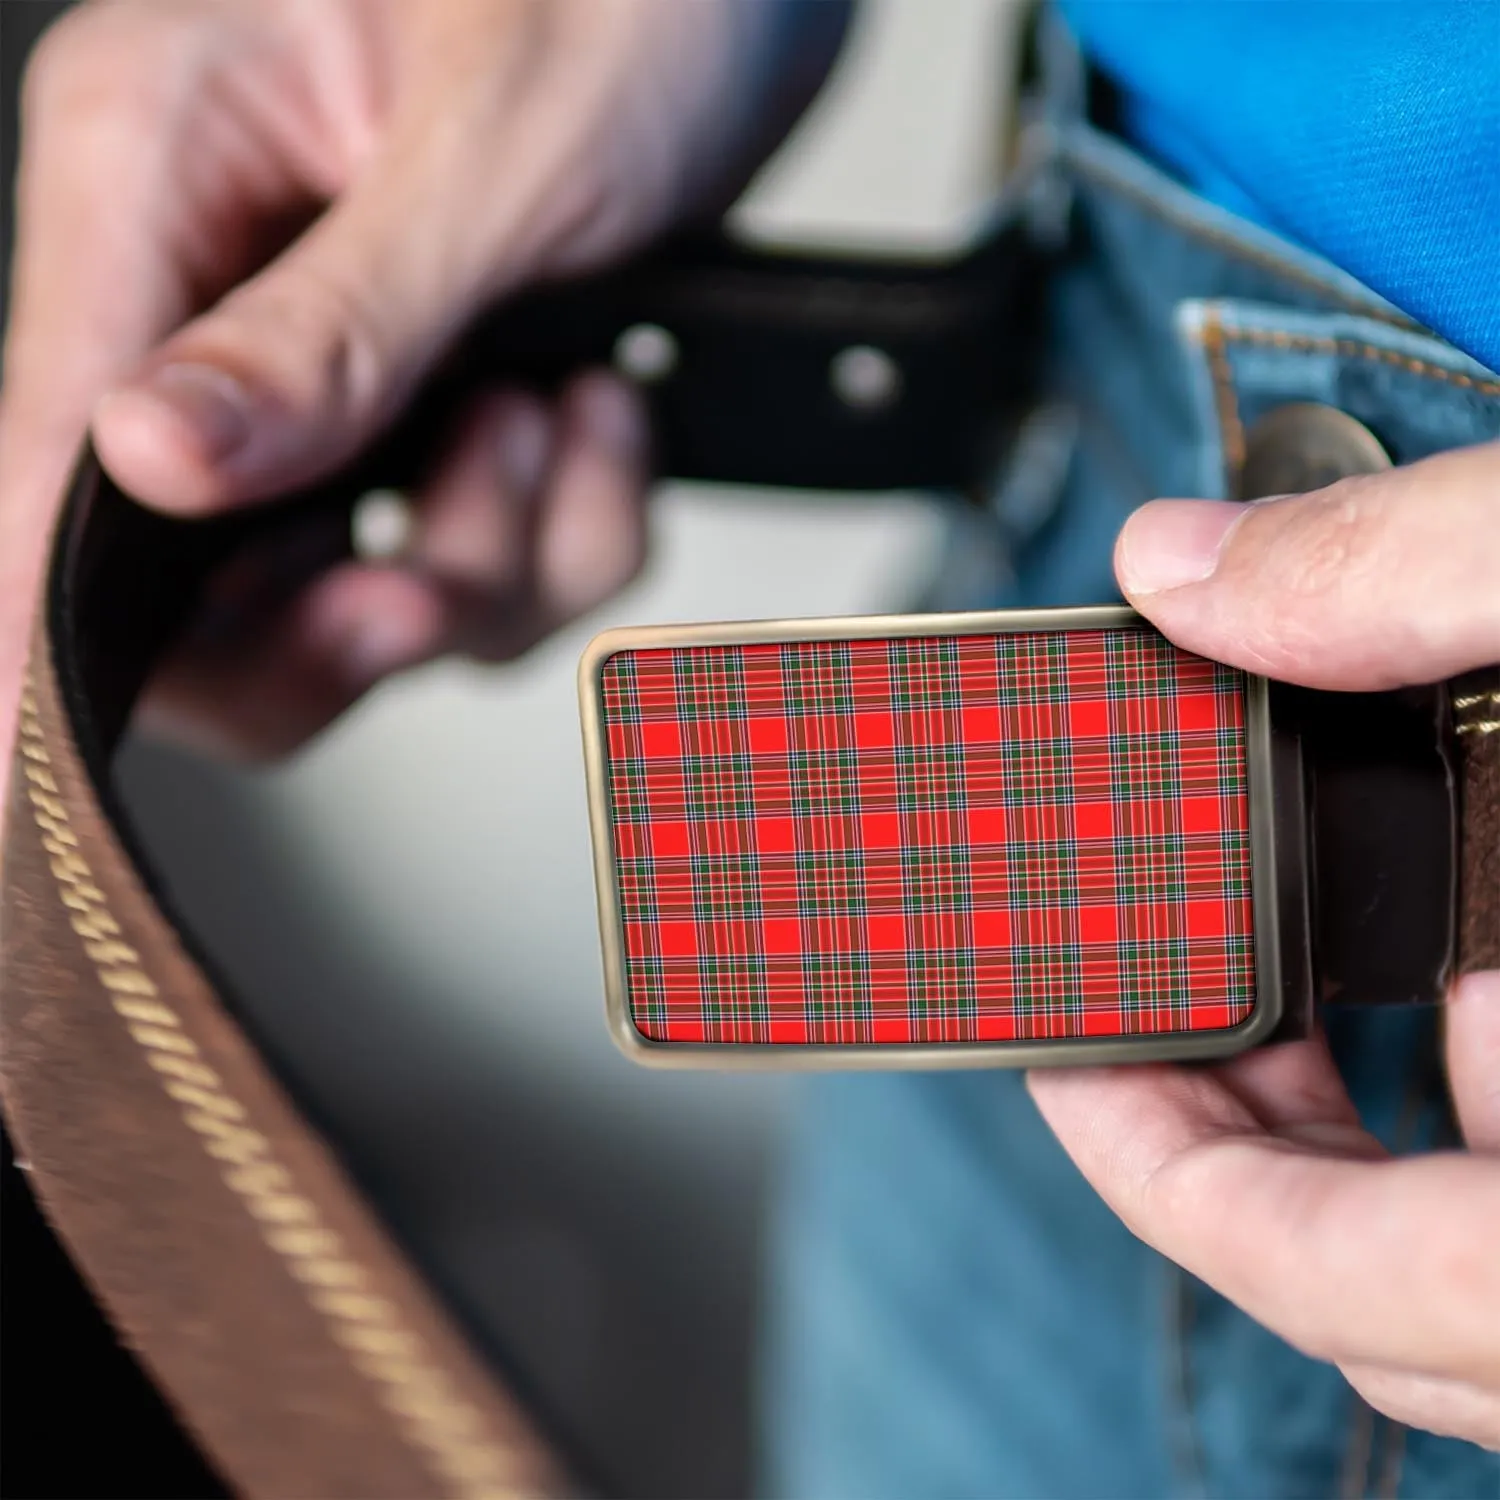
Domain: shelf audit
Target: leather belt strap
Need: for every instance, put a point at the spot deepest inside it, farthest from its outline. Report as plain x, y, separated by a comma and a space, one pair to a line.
1476, 715
230, 1247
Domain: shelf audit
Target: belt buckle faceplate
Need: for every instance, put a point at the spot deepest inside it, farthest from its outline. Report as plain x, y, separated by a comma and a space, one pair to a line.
986, 839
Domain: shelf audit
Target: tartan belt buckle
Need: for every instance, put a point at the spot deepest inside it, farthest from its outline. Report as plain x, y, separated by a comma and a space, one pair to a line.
1004, 838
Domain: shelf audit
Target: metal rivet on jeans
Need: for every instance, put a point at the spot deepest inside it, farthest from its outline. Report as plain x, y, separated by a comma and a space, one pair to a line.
1304, 446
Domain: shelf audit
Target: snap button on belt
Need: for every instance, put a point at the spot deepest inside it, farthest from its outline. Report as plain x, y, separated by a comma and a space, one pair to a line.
1304, 446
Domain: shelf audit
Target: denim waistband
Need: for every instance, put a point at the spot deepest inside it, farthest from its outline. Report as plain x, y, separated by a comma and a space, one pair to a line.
1172, 327
1216, 320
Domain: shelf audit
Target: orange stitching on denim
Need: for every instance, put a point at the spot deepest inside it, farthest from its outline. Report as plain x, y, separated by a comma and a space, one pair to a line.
1267, 260
1353, 349
1226, 402
1214, 336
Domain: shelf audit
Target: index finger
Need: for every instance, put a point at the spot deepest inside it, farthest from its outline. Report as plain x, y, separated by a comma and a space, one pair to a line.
91, 290
94, 281
93, 286
1388, 1262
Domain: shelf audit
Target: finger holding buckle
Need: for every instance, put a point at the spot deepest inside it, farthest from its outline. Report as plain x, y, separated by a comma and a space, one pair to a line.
1255, 1175
1378, 581
1296, 1216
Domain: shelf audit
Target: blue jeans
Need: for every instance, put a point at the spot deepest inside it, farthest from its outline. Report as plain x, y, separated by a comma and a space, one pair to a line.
952, 1311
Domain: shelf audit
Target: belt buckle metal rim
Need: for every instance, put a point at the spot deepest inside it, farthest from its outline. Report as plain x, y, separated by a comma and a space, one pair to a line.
1277, 867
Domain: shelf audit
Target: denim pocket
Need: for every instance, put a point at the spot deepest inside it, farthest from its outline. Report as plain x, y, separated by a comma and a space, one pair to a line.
1418, 395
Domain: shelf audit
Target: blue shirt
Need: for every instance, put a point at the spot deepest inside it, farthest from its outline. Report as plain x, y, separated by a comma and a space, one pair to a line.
1366, 130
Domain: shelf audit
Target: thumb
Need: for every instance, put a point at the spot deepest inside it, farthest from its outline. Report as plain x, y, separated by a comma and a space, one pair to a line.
1376, 582
294, 370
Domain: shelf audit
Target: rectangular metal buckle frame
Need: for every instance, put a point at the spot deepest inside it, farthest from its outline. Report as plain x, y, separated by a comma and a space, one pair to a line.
1275, 824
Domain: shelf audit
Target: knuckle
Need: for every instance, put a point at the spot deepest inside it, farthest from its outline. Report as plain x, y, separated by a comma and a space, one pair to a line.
328, 347
107, 58
53, 66
355, 363
1301, 570
1333, 539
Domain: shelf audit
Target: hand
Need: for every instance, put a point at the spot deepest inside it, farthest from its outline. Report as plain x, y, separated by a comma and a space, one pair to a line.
1256, 1176
247, 228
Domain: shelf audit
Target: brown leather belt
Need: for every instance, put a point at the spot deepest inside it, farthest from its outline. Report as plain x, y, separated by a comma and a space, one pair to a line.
1476, 713
212, 1219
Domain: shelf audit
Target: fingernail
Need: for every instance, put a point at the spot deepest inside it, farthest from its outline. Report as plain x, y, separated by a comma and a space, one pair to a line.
212, 406
523, 441
612, 417
1170, 543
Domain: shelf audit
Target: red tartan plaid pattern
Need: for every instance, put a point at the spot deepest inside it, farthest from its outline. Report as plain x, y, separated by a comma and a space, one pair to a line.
953, 839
